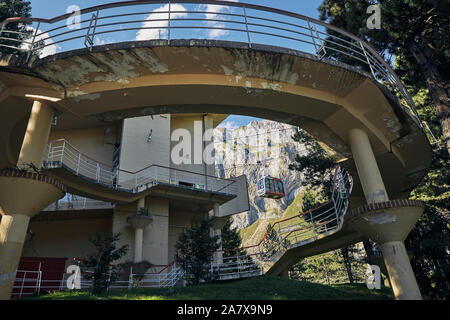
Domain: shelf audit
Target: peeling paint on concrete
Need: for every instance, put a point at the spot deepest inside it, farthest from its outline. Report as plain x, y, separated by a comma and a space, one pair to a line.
272, 86
123, 81
74, 93
226, 70
91, 97
380, 218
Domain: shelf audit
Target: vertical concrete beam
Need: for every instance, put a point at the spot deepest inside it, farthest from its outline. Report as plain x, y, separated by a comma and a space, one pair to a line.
401, 275
14, 225
366, 164
216, 230
37, 134
138, 240
13, 230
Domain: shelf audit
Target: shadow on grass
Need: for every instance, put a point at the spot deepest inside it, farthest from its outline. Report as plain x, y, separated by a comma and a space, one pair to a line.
260, 288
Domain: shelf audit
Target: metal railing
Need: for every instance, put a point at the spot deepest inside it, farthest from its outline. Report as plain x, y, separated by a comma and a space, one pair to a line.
61, 154
286, 234
168, 276
74, 202
283, 235
182, 19
27, 283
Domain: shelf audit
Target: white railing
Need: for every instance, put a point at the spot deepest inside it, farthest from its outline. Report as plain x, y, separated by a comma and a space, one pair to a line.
289, 233
203, 19
27, 283
283, 235
61, 154
74, 202
168, 276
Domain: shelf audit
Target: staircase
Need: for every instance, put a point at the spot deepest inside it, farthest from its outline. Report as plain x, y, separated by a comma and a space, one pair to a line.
289, 234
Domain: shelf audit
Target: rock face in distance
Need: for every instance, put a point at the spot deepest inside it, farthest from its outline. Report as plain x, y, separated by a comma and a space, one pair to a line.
238, 152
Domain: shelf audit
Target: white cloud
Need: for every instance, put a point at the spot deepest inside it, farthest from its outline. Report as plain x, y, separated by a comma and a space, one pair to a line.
161, 30
229, 125
49, 49
213, 11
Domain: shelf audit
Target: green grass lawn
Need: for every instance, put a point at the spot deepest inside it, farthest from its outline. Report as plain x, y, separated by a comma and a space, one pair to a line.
260, 288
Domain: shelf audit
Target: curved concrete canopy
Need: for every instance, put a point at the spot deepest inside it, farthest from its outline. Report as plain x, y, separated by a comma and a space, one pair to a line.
119, 81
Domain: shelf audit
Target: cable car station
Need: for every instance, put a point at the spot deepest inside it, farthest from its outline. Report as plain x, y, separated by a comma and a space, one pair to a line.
118, 104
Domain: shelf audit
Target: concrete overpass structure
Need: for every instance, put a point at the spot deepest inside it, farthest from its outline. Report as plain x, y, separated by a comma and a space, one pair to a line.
335, 87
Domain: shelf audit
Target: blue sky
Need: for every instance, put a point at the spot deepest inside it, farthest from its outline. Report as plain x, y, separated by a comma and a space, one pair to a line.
51, 8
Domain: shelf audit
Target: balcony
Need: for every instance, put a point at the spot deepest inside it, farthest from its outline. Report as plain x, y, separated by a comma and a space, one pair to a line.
76, 203
89, 178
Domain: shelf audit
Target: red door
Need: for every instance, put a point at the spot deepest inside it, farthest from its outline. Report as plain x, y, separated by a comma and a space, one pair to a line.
27, 279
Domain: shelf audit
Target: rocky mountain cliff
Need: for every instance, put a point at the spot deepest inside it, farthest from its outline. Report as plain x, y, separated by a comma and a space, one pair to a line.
270, 143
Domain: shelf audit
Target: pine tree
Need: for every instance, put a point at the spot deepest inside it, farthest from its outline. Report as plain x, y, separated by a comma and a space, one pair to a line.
415, 32
194, 252
101, 263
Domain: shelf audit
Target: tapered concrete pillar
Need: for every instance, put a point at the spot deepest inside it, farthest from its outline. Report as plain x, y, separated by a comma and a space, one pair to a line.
366, 164
139, 223
216, 230
385, 222
37, 134
12, 237
24, 194
401, 275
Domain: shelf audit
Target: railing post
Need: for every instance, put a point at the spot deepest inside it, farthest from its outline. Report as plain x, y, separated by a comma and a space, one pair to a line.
246, 27
32, 41
367, 58
280, 237
169, 23
3, 28
78, 163
23, 280
130, 279
62, 152
38, 280
89, 38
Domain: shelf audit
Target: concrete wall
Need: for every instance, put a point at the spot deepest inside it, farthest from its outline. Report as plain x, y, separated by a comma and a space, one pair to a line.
93, 142
156, 235
136, 153
64, 238
179, 221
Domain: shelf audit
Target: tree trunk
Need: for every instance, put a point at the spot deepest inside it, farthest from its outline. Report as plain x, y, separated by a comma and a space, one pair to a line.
347, 264
436, 86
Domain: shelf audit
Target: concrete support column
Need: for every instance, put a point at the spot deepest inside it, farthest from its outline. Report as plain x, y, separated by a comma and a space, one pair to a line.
23, 196
216, 230
37, 134
138, 240
366, 164
13, 230
402, 279
382, 229
139, 223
